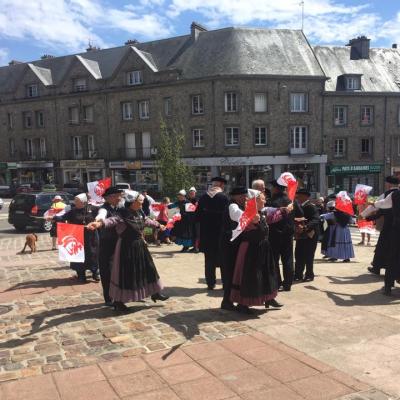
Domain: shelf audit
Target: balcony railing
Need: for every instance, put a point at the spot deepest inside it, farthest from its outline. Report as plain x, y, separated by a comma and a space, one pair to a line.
138, 153
83, 154
22, 156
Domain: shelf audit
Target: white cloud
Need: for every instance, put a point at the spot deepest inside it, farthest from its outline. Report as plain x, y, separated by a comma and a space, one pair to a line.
4, 56
390, 30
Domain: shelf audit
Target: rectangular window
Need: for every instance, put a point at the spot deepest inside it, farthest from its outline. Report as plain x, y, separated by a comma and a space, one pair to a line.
10, 120
127, 112
366, 147
340, 147
39, 119
197, 104
42, 147
146, 144
298, 139
73, 115
11, 147
134, 78
298, 102
260, 136
144, 109
231, 136
32, 91
88, 114
77, 147
80, 85
168, 106
340, 117
260, 102
352, 83
367, 115
198, 137
231, 102
91, 146
29, 148
130, 145
27, 119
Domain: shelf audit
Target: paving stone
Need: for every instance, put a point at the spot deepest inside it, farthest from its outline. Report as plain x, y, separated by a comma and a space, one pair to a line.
126, 366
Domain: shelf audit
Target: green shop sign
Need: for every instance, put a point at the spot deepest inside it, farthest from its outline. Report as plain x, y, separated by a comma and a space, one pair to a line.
353, 169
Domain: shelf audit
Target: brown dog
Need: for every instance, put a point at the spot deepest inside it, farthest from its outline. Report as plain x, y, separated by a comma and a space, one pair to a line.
30, 241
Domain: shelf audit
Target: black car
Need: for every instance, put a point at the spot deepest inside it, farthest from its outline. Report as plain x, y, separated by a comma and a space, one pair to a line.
73, 188
27, 209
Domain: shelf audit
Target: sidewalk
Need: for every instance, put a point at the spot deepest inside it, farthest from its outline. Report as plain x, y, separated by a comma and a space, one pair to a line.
334, 337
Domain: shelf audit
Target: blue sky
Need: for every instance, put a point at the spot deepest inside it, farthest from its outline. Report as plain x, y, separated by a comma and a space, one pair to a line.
31, 28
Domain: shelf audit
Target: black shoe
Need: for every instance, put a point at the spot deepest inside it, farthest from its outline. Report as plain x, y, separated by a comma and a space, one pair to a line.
347, 260
210, 287
109, 303
119, 306
332, 259
374, 271
273, 303
96, 277
387, 291
159, 296
227, 305
244, 309
287, 288
184, 249
82, 279
308, 279
298, 278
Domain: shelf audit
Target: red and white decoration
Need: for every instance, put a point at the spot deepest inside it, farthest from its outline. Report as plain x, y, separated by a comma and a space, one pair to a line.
287, 179
366, 226
155, 209
71, 242
361, 193
343, 203
52, 212
189, 207
96, 190
248, 214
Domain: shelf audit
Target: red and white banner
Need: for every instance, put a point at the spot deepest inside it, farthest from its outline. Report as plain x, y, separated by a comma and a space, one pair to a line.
155, 209
361, 193
248, 214
343, 203
287, 179
71, 242
190, 207
96, 190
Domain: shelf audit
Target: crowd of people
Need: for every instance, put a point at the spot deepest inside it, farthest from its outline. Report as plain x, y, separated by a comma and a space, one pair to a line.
282, 231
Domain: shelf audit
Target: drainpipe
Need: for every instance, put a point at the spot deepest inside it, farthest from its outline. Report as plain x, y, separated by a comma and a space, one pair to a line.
385, 156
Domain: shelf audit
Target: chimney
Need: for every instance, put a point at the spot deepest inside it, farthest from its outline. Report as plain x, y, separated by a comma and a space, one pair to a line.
131, 42
195, 30
359, 48
15, 62
46, 56
394, 46
92, 48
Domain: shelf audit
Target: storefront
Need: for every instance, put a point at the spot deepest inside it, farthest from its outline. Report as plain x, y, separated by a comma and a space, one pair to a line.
39, 172
139, 174
346, 177
82, 171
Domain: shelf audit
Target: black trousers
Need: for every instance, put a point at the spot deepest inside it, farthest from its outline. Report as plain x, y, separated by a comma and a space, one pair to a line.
282, 248
211, 263
304, 255
106, 251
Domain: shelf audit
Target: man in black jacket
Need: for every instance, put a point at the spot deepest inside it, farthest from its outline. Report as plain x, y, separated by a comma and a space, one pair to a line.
307, 232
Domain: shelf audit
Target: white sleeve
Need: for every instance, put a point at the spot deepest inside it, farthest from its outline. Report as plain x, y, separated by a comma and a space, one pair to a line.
235, 212
384, 203
150, 199
101, 215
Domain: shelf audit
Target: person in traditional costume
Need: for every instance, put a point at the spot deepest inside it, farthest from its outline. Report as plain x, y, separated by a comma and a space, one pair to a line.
133, 275
366, 227
57, 206
193, 199
209, 213
327, 227
82, 214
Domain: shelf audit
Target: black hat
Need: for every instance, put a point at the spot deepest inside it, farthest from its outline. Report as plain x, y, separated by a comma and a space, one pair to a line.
238, 190
219, 179
275, 184
112, 190
393, 180
304, 191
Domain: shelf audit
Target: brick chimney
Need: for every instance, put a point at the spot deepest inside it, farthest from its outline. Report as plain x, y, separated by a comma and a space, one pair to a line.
131, 42
46, 56
394, 46
359, 48
195, 30
92, 48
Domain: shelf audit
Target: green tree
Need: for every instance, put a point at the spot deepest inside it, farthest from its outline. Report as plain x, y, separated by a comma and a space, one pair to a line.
174, 173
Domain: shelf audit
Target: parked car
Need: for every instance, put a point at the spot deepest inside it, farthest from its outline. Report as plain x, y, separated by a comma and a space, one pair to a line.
1, 203
73, 188
24, 188
6, 191
49, 187
27, 209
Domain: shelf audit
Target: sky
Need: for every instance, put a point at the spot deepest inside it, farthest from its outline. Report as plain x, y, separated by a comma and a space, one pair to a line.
31, 28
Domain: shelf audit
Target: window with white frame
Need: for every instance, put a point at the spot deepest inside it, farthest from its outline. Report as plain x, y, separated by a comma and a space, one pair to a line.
10, 120
11, 147
298, 139
231, 102
167, 106
260, 102
340, 115
77, 147
39, 119
32, 90
130, 145
198, 137
367, 115
197, 104
352, 83
298, 102
232, 136
91, 146
29, 148
144, 109
88, 115
339, 147
127, 111
73, 115
134, 78
42, 146
366, 147
260, 136
27, 119
80, 84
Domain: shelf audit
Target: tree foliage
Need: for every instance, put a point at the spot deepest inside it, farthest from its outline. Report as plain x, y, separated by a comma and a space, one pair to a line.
174, 173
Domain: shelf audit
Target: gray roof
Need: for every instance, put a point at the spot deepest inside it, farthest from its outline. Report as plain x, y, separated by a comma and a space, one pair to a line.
380, 73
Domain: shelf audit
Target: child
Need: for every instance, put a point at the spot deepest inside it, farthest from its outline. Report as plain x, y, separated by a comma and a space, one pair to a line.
163, 236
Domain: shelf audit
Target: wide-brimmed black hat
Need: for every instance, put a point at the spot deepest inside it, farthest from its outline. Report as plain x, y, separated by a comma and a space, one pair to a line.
392, 179
219, 179
304, 191
112, 190
275, 184
238, 190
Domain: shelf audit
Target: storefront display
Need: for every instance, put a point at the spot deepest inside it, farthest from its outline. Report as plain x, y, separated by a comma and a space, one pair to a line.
35, 172
82, 171
306, 175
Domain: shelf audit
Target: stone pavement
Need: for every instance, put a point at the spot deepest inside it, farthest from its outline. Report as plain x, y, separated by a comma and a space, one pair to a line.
54, 327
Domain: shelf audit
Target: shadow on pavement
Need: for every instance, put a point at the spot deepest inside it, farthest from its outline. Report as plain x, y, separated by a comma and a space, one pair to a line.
45, 284
354, 280
179, 291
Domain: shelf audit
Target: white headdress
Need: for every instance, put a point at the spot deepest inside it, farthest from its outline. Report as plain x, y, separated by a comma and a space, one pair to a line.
82, 197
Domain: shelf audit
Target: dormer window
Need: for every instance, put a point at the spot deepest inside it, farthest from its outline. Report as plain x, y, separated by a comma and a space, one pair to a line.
353, 83
32, 91
134, 78
80, 85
